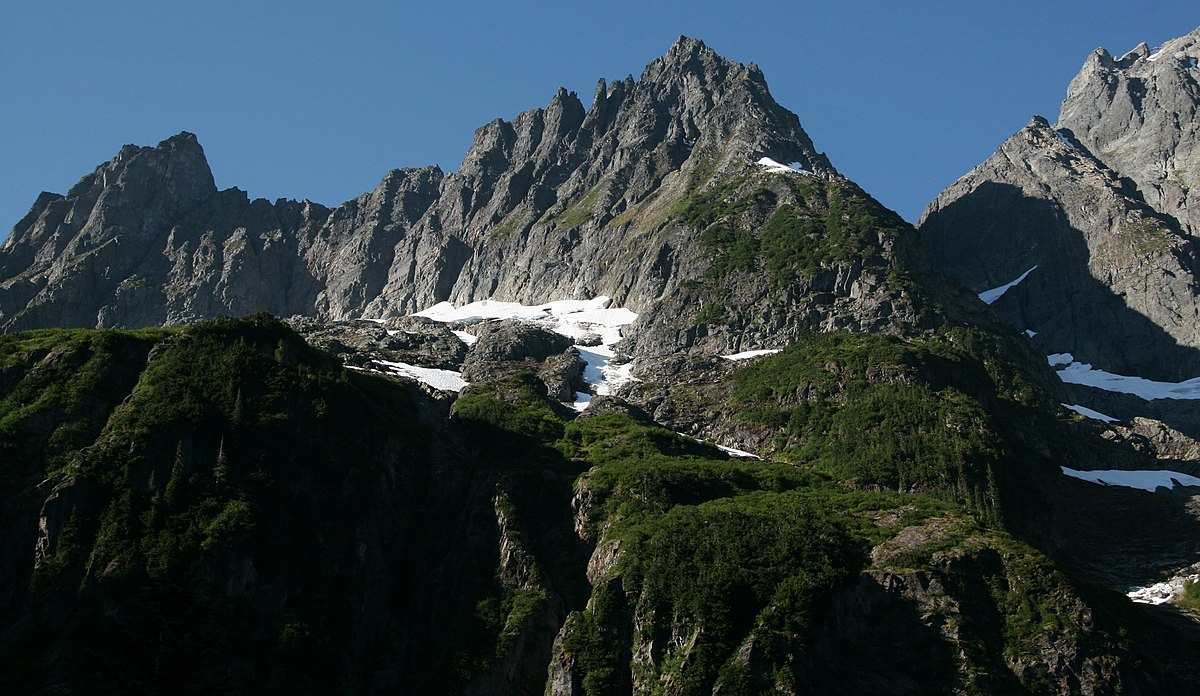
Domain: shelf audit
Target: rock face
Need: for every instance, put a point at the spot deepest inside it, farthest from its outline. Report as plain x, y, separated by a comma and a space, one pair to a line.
1099, 208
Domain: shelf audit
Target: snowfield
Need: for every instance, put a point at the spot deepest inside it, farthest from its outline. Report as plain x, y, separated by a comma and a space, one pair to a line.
579, 320
1145, 480
444, 380
1083, 373
990, 296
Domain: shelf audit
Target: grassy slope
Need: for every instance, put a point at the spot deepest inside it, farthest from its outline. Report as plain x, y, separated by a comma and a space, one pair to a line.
245, 516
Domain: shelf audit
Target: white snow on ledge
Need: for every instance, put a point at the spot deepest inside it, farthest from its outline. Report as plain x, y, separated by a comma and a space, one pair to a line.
444, 380
1158, 593
1089, 413
740, 454
746, 355
1083, 373
1161, 592
990, 296
778, 167
1066, 141
1145, 480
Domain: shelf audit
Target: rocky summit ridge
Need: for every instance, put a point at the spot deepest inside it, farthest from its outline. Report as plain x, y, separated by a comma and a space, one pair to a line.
542, 207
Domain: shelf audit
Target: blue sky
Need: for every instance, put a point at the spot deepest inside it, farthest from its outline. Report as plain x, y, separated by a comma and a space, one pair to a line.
319, 100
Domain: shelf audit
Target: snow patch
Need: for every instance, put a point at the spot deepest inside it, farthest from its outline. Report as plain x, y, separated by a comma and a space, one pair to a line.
1084, 374
1158, 593
990, 296
1161, 592
1030, 333
443, 380
582, 401
575, 319
1144, 480
1089, 413
1066, 141
746, 355
465, 337
741, 454
772, 166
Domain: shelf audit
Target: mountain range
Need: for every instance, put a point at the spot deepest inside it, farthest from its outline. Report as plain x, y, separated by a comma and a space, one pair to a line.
645, 398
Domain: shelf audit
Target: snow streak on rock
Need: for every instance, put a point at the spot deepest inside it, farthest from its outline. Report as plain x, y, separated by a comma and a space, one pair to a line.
990, 296
746, 355
1145, 480
1076, 372
778, 167
1089, 413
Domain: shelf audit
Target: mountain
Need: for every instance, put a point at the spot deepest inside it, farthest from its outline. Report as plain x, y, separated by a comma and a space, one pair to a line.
539, 209
741, 435
1095, 218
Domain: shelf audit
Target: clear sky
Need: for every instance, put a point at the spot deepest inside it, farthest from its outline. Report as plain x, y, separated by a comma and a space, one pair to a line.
319, 100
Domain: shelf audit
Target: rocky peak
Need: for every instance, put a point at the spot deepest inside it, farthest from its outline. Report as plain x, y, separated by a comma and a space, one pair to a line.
175, 170
1137, 113
1093, 217
553, 203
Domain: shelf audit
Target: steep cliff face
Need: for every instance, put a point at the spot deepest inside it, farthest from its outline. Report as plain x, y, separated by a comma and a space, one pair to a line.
1112, 280
72, 253
1096, 211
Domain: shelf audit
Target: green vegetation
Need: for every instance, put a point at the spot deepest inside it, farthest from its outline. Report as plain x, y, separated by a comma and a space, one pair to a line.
713, 550
515, 221
58, 389
1190, 599
237, 509
789, 235
514, 417
187, 477
580, 211
928, 415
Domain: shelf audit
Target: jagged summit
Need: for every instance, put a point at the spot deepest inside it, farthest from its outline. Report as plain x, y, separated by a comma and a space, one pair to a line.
544, 206
1137, 113
1104, 205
